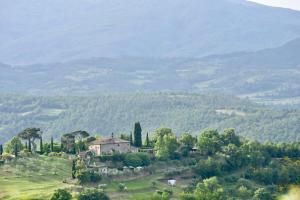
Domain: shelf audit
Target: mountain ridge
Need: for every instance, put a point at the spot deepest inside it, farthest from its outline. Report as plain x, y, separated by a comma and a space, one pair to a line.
48, 31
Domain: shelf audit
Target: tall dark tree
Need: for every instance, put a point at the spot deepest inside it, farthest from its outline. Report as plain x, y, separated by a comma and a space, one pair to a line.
147, 142
41, 145
16, 150
137, 135
131, 139
1, 149
29, 145
73, 169
26, 145
52, 144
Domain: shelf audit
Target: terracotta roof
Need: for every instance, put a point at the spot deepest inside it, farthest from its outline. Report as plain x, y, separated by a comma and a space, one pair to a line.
108, 141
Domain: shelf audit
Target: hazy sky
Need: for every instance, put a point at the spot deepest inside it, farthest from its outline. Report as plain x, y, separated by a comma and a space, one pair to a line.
293, 4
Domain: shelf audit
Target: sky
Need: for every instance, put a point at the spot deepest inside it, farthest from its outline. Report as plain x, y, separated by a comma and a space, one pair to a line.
293, 4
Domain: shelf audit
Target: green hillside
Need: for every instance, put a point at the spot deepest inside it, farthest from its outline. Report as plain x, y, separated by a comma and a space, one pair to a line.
33, 177
117, 113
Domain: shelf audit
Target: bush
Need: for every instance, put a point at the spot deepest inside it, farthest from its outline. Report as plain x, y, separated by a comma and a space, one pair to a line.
244, 182
133, 160
145, 158
92, 195
61, 194
262, 194
117, 157
88, 176
121, 187
208, 168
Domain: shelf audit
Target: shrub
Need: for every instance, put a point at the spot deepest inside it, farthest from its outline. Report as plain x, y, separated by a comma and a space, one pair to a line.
88, 176
92, 195
244, 182
153, 183
117, 157
145, 158
187, 196
262, 194
208, 168
121, 186
133, 160
61, 194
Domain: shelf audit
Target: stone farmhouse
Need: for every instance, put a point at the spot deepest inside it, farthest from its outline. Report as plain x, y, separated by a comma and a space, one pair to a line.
107, 146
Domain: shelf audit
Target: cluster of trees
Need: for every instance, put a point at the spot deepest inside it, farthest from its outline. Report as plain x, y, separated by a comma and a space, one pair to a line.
25, 141
83, 174
89, 194
183, 112
221, 155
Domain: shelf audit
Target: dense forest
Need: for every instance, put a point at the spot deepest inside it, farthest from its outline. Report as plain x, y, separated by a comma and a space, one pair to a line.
117, 113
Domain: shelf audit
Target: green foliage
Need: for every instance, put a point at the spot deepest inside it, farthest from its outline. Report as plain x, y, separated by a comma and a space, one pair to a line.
88, 177
61, 194
41, 146
229, 137
210, 189
208, 168
209, 142
13, 146
188, 142
137, 135
73, 169
133, 160
52, 145
30, 134
121, 187
183, 112
165, 143
262, 194
147, 141
145, 158
92, 195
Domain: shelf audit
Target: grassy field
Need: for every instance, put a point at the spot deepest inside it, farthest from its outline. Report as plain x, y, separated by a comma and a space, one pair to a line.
142, 189
33, 178
36, 178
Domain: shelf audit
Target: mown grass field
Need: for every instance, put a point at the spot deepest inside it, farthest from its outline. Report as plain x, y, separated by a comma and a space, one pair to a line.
36, 178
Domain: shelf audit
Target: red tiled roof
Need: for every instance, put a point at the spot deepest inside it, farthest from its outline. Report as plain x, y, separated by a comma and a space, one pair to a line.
108, 141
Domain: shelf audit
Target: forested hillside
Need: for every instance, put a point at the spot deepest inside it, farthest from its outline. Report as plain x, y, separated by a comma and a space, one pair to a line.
117, 113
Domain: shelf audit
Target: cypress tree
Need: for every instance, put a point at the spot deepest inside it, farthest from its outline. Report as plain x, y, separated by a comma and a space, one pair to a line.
130, 137
41, 145
1, 149
16, 150
137, 135
29, 145
26, 145
147, 140
73, 169
52, 149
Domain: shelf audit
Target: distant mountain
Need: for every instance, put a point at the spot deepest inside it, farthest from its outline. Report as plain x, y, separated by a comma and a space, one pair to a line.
285, 56
46, 31
271, 74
